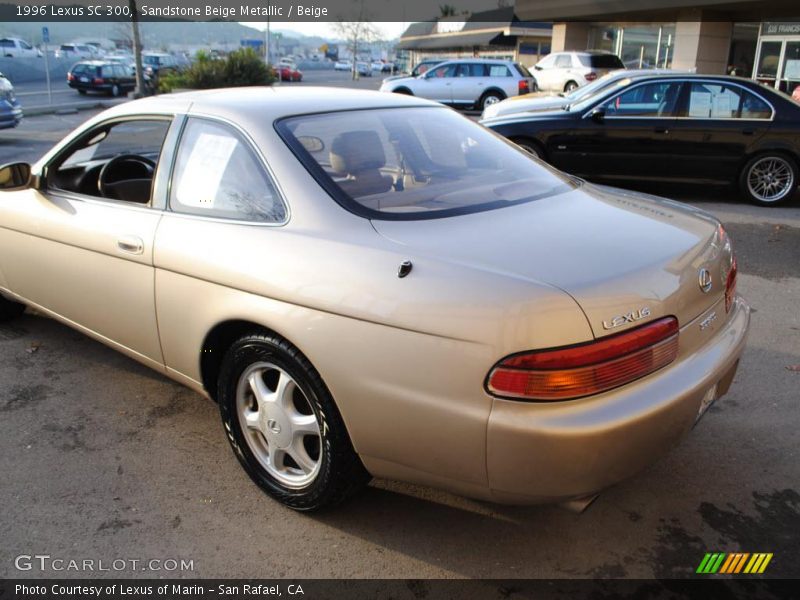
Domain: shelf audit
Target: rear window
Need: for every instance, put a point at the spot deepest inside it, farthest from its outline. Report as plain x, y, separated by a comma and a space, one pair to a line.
416, 163
601, 61
522, 70
80, 69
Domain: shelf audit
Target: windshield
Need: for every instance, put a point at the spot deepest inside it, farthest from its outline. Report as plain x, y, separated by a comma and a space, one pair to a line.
582, 101
416, 163
601, 61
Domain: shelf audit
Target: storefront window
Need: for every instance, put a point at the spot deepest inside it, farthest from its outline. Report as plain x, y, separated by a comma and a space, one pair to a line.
767, 68
639, 47
790, 77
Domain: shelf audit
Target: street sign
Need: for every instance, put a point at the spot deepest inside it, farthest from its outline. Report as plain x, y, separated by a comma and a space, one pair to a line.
46, 34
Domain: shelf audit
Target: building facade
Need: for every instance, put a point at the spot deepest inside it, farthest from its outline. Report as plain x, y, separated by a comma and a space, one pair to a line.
491, 34
749, 38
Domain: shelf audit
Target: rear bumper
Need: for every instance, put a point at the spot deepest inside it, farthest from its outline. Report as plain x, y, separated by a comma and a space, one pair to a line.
547, 452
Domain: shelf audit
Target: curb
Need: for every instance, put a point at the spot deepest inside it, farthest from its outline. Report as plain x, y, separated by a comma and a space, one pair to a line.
69, 107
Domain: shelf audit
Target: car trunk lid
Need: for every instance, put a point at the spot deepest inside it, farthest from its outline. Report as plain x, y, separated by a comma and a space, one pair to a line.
624, 257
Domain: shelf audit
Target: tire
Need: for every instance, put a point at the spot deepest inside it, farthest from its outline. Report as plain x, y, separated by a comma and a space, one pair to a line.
115, 91
769, 179
570, 86
530, 147
82, 92
10, 309
490, 98
270, 396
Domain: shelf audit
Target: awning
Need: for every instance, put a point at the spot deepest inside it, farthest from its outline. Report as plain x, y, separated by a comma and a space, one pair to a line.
466, 40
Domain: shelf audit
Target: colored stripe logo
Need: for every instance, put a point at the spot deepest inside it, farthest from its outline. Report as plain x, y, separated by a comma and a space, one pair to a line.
734, 563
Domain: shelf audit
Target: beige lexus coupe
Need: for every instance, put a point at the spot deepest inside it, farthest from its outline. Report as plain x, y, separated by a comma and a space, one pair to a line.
372, 285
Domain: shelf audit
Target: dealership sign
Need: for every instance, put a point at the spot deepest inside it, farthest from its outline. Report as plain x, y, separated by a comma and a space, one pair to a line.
792, 28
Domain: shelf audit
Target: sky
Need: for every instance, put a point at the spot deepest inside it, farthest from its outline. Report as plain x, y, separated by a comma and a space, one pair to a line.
323, 29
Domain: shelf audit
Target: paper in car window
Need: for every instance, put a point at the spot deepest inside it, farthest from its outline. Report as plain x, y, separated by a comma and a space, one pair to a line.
204, 170
700, 104
721, 106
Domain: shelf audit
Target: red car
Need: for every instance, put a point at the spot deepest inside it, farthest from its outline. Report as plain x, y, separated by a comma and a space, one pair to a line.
290, 73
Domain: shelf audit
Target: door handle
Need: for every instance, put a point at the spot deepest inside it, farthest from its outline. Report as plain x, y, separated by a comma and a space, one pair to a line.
661, 130
747, 132
131, 244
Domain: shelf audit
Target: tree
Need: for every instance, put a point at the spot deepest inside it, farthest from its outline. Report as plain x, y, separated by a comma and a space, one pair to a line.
447, 10
355, 33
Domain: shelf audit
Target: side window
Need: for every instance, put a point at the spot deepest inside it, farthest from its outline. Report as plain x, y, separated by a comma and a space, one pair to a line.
114, 161
657, 99
563, 61
470, 70
25, 45
719, 101
547, 62
499, 71
217, 174
754, 107
443, 71
6, 44
713, 101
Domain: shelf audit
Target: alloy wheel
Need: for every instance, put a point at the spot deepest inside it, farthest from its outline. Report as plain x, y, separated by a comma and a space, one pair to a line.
490, 99
279, 425
770, 179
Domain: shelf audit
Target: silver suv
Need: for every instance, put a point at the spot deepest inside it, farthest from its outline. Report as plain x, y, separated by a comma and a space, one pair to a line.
567, 71
466, 82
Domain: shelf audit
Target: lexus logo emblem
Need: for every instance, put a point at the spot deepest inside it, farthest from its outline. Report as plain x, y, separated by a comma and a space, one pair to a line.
273, 425
705, 280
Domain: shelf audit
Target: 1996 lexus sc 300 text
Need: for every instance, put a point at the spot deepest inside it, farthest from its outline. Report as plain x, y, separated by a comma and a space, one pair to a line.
373, 285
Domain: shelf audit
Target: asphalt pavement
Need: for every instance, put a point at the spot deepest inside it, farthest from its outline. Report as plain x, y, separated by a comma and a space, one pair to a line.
101, 458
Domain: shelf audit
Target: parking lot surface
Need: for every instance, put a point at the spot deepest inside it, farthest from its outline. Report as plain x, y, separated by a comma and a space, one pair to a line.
101, 458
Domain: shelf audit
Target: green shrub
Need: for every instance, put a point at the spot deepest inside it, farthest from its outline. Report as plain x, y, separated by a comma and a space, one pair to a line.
242, 67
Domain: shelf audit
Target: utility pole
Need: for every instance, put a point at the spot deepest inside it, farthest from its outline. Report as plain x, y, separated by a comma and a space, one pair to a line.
137, 50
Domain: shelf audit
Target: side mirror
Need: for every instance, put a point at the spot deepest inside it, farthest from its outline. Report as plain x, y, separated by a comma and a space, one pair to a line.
537, 67
598, 115
15, 176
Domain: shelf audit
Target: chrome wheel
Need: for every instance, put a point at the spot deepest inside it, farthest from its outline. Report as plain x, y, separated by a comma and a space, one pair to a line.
279, 425
490, 99
770, 179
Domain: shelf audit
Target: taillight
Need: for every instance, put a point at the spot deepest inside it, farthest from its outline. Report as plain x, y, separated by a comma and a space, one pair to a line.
591, 76
524, 86
586, 369
70, 77
730, 286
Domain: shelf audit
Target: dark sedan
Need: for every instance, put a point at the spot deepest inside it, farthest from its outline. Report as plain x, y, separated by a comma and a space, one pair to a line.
689, 128
100, 76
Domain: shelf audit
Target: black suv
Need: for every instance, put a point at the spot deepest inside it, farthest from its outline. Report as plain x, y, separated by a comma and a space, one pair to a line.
100, 76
